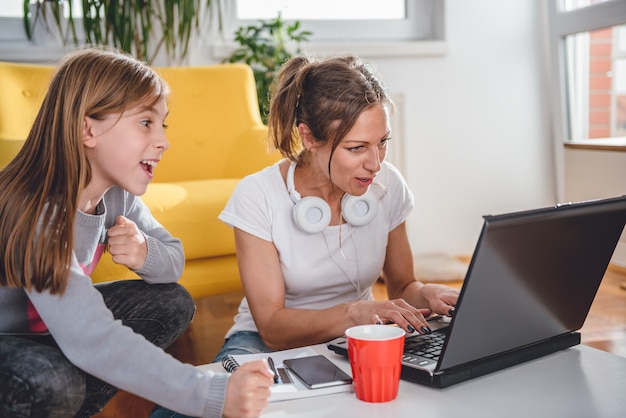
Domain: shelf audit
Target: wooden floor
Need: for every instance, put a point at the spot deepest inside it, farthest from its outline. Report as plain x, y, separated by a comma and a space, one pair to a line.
604, 329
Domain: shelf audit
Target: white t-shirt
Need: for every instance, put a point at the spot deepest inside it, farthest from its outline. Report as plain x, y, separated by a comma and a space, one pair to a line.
318, 271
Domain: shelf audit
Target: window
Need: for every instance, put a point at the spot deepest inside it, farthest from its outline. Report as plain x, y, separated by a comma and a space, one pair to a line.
11, 26
369, 28
596, 74
351, 20
322, 9
588, 40
569, 5
11, 14
11, 9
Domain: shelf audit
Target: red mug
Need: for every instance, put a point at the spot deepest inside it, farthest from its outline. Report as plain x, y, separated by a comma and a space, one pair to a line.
375, 353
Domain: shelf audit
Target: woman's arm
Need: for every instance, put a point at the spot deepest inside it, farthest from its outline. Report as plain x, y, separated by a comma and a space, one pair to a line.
399, 276
282, 327
263, 284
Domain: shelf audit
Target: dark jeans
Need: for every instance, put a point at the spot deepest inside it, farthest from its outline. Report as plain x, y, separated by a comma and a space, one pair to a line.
37, 380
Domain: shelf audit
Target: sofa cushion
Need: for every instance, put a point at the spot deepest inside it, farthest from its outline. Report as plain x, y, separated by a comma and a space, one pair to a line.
189, 210
9, 149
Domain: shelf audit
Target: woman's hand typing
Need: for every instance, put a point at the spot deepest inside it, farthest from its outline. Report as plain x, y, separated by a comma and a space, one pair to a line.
396, 311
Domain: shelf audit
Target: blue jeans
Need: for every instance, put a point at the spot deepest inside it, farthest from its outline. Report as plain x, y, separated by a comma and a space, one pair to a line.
243, 342
37, 380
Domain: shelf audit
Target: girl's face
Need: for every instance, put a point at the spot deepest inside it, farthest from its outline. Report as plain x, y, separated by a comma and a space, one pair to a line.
123, 150
358, 156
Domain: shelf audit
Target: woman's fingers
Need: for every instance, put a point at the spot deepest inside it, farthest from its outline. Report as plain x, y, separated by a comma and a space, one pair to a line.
409, 318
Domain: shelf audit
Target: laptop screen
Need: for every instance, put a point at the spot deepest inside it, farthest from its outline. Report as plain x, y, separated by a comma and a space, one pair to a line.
533, 276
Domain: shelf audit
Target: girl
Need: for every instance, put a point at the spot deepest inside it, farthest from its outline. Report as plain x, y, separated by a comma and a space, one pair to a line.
65, 344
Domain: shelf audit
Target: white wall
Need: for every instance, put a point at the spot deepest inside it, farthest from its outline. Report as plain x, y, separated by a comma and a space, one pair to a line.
595, 174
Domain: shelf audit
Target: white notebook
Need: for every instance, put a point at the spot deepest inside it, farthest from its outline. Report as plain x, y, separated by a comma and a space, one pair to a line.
295, 388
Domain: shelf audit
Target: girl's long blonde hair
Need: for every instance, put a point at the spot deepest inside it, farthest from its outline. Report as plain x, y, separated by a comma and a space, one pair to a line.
39, 188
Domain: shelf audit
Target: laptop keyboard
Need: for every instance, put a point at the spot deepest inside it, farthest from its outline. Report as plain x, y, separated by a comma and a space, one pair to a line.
424, 349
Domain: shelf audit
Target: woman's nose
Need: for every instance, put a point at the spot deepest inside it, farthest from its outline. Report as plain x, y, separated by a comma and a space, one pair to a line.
374, 160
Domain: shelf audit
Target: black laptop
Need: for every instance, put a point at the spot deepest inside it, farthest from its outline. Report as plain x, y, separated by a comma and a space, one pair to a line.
528, 289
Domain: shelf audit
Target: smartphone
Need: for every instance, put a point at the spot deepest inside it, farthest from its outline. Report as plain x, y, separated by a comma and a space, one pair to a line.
317, 372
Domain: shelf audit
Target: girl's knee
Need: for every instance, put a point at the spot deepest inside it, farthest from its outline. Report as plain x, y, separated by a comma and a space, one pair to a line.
175, 305
41, 387
183, 301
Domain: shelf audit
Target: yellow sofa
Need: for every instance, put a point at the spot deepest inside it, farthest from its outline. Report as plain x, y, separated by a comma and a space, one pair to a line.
216, 137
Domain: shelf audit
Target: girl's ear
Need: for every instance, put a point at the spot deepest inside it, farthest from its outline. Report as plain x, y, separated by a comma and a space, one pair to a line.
308, 140
89, 139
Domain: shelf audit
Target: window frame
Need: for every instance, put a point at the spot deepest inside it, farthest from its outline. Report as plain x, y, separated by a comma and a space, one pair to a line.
324, 43
421, 23
560, 25
14, 45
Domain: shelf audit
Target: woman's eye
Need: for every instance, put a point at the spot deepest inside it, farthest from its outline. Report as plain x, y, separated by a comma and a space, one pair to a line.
146, 123
383, 143
355, 149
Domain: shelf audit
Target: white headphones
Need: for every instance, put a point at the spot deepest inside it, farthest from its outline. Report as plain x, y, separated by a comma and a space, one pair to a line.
312, 213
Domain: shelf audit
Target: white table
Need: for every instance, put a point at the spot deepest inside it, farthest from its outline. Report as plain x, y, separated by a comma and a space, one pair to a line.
578, 382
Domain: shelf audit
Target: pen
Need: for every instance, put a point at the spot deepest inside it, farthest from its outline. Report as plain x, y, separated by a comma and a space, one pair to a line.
277, 378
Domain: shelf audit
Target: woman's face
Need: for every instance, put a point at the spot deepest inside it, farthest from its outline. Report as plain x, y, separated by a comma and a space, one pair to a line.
124, 150
358, 157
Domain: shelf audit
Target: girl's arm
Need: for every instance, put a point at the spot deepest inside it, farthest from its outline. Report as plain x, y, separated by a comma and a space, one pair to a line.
165, 258
91, 338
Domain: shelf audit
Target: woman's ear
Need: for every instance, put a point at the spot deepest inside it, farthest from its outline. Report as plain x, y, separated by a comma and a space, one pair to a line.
89, 139
308, 140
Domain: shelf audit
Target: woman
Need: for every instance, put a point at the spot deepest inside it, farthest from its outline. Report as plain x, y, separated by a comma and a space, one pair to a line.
316, 230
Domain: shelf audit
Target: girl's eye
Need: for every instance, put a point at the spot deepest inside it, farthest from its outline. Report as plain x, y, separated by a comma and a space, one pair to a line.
355, 149
165, 126
146, 123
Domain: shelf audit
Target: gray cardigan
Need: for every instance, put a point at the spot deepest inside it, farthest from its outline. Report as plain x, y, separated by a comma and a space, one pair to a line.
93, 340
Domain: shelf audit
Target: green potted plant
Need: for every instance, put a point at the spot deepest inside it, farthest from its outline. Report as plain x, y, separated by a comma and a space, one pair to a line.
44, 21
138, 27
264, 47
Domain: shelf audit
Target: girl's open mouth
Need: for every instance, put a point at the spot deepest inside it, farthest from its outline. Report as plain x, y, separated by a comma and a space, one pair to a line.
148, 166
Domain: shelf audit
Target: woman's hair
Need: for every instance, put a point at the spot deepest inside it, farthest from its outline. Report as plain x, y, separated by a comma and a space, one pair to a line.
39, 188
328, 96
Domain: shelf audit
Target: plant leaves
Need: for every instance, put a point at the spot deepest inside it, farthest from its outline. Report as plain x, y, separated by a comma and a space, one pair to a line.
263, 47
